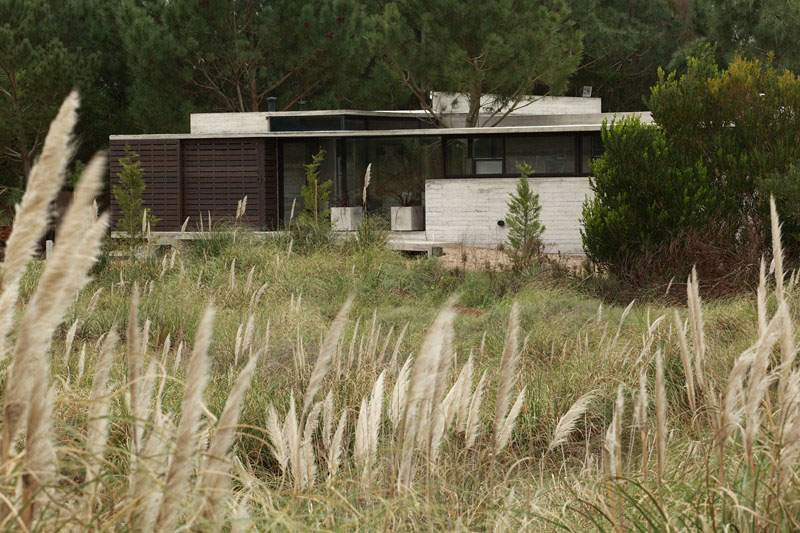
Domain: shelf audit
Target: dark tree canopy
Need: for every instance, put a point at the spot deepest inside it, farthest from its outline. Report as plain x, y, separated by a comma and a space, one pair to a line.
494, 47
145, 65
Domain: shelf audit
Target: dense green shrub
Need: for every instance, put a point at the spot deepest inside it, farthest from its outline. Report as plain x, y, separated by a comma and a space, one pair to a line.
693, 190
743, 124
642, 199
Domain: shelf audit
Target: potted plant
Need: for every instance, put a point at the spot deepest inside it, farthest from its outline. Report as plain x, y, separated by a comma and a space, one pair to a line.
410, 214
345, 217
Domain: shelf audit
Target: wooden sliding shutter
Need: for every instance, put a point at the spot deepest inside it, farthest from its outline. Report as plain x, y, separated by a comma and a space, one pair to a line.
160, 162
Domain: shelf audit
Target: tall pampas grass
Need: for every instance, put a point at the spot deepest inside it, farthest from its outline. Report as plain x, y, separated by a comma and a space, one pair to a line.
777, 251
661, 416
566, 424
327, 353
64, 275
33, 213
399, 390
472, 429
177, 481
97, 423
213, 479
278, 444
508, 369
423, 376
28, 397
732, 405
335, 453
759, 381
686, 361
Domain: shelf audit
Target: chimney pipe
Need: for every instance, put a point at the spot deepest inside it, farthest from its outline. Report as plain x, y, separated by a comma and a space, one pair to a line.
271, 104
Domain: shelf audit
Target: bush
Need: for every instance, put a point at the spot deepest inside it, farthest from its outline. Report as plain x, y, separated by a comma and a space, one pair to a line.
691, 190
743, 125
642, 201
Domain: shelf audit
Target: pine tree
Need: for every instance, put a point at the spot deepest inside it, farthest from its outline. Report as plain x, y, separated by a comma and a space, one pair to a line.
128, 195
477, 48
524, 227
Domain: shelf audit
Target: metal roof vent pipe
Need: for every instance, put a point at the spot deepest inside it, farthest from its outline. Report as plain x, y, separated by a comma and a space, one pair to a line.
272, 104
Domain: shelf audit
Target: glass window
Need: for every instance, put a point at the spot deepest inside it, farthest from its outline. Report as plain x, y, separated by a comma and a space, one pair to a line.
459, 162
547, 155
591, 149
400, 166
392, 123
488, 155
481, 155
306, 123
487, 148
355, 123
296, 154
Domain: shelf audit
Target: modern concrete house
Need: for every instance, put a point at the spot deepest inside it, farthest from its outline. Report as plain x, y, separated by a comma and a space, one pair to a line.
458, 178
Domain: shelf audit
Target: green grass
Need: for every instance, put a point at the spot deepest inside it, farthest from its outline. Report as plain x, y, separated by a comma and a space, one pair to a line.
568, 352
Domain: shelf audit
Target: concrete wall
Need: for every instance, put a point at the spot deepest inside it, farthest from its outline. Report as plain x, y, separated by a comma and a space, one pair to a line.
530, 105
467, 210
206, 123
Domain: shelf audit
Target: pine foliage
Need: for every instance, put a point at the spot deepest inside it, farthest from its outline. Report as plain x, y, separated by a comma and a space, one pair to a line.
523, 219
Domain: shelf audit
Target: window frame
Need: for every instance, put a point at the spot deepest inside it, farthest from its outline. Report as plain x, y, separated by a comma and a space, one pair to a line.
508, 173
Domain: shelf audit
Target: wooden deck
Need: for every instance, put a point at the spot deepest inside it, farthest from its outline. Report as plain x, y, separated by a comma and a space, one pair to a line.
401, 241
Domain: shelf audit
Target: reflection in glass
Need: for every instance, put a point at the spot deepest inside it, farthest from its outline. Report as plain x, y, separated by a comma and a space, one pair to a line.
545, 154
400, 166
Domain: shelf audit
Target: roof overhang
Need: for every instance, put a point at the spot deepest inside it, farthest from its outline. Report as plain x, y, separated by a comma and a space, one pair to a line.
587, 124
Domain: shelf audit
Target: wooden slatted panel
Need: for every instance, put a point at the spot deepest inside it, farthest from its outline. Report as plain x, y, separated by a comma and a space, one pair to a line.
217, 173
160, 161
271, 201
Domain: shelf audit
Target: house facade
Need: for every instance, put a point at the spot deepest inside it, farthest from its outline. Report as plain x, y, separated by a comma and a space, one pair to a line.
462, 177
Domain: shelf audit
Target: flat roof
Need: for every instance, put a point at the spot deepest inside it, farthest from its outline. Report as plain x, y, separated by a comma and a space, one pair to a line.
496, 130
327, 112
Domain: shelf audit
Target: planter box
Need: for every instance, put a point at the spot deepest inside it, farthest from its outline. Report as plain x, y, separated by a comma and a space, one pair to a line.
408, 218
346, 218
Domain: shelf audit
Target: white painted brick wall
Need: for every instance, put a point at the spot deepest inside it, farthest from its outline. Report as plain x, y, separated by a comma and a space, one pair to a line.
467, 210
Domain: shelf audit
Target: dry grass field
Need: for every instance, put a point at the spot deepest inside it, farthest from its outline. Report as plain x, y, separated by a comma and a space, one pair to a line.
237, 384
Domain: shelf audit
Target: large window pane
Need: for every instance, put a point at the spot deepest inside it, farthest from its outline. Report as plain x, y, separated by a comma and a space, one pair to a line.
591, 149
488, 155
459, 162
295, 155
487, 147
546, 155
400, 166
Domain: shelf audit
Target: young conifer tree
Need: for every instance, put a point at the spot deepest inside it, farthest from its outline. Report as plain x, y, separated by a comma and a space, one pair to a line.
128, 195
316, 193
524, 226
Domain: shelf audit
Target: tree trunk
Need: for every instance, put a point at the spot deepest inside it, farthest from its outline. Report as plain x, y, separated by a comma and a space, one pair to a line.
474, 107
